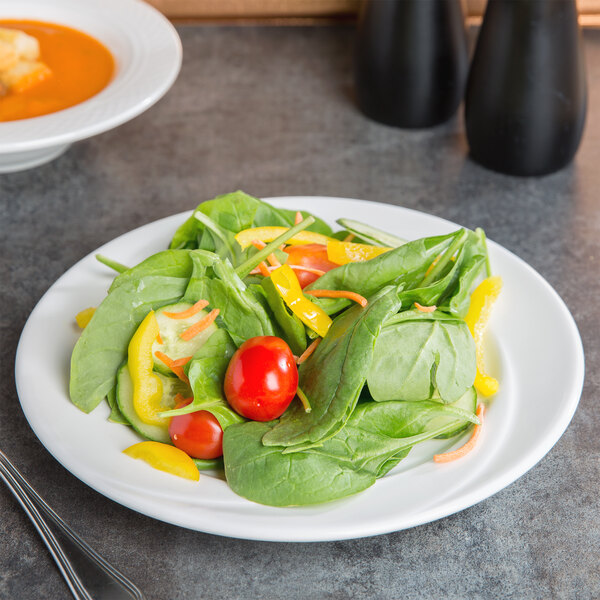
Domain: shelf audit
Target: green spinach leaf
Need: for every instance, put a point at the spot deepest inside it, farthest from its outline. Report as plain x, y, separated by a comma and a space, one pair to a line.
224, 242
376, 437
405, 265
116, 416
215, 280
418, 352
371, 235
168, 263
103, 344
235, 212
474, 257
333, 376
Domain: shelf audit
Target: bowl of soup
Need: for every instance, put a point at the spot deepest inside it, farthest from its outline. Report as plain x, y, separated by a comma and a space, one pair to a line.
70, 69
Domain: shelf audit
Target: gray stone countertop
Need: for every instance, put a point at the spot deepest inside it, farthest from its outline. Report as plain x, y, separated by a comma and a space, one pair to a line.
270, 111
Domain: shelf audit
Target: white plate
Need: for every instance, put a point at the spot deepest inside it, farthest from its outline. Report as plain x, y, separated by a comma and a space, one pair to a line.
534, 349
147, 53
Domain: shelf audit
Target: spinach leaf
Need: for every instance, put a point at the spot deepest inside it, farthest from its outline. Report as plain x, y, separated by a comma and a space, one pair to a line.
224, 242
458, 302
235, 212
333, 376
376, 437
370, 440
450, 289
293, 329
431, 294
264, 474
404, 265
116, 416
111, 264
258, 292
206, 372
467, 402
474, 259
215, 280
269, 215
209, 464
168, 263
103, 344
371, 235
417, 352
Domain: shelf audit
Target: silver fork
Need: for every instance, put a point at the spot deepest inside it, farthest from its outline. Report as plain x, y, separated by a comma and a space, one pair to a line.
107, 582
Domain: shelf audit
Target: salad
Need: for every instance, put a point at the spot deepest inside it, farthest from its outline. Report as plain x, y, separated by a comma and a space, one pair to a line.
305, 363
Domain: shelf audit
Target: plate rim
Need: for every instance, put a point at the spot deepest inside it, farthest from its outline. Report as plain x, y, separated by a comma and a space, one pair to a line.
465, 499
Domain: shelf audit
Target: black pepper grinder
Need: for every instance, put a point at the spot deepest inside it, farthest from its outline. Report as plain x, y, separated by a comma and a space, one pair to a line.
411, 61
526, 95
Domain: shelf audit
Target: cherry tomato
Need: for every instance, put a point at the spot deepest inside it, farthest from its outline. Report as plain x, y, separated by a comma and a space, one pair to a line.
262, 378
197, 434
309, 255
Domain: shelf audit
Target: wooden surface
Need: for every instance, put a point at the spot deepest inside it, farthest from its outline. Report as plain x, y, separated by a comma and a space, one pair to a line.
294, 9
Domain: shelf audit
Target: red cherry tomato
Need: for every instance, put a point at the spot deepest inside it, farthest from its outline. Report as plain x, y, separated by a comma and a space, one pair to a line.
197, 434
262, 378
309, 255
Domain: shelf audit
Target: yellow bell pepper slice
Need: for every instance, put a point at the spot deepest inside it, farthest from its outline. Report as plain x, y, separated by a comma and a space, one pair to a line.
268, 234
342, 253
165, 458
286, 283
482, 300
85, 316
147, 387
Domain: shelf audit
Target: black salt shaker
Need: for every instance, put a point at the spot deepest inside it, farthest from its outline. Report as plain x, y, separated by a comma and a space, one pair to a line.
526, 97
411, 61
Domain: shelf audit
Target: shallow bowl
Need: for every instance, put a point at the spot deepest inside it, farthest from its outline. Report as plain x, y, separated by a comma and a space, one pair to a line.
147, 53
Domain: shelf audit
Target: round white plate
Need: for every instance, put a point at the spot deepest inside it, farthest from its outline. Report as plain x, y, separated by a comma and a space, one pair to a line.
534, 349
147, 53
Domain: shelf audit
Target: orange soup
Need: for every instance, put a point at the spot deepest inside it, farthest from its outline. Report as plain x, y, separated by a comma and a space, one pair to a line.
81, 66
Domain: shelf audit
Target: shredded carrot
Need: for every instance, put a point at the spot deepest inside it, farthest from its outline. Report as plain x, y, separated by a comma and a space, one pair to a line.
463, 450
264, 270
299, 218
273, 260
308, 269
338, 294
181, 362
259, 245
190, 312
349, 237
309, 351
304, 400
295, 267
159, 339
425, 309
201, 325
177, 369
181, 401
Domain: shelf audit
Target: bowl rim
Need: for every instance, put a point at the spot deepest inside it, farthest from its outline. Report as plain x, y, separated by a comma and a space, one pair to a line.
138, 83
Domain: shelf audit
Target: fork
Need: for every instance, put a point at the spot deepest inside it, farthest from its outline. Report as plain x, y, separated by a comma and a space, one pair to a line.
107, 582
